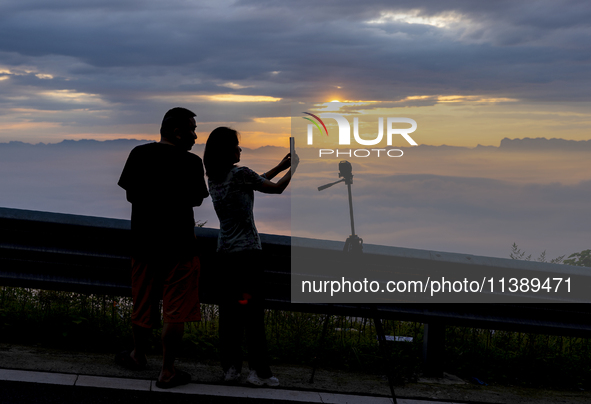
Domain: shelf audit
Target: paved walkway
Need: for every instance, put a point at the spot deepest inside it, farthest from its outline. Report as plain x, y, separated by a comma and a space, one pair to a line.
200, 391
33, 374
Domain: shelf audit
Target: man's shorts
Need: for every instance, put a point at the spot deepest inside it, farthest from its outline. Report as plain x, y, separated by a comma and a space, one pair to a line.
176, 284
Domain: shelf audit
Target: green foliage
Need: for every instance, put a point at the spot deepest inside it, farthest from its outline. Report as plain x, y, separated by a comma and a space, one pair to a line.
102, 323
580, 259
63, 319
517, 254
531, 360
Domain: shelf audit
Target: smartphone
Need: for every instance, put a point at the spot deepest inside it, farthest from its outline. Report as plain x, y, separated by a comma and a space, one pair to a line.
292, 145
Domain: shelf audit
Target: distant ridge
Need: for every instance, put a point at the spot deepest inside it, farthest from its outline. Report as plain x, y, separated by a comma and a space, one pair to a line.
84, 143
543, 144
522, 145
109, 144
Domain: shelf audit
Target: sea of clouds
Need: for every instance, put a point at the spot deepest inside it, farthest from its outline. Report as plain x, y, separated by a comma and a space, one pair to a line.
534, 192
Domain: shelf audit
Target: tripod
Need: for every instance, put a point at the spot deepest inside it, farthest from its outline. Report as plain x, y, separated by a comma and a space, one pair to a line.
354, 245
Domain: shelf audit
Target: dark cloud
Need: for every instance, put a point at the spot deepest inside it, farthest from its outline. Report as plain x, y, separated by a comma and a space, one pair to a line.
506, 48
130, 61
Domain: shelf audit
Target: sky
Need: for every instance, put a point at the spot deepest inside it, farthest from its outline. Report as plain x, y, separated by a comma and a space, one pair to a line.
109, 69
469, 73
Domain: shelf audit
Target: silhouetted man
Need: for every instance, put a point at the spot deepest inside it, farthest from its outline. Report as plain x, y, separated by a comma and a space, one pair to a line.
163, 182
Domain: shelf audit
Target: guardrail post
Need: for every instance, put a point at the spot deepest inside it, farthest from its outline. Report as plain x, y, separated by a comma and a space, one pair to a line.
433, 349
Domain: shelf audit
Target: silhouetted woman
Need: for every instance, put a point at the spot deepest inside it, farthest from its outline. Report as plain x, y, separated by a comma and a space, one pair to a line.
241, 308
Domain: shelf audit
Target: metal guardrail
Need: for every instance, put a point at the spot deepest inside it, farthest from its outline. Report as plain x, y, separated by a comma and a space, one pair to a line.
320, 269
90, 255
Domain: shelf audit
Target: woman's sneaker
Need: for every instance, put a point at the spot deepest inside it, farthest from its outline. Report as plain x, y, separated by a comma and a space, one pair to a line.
254, 379
232, 375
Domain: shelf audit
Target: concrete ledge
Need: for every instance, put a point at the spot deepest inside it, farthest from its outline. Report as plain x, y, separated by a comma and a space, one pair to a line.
331, 398
410, 401
37, 377
205, 390
113, 383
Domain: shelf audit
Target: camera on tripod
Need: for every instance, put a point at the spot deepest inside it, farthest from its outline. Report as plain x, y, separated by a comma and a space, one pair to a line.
346, 172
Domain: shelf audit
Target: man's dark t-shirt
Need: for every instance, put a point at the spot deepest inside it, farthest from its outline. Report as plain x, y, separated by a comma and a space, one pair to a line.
163, 183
